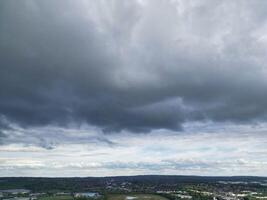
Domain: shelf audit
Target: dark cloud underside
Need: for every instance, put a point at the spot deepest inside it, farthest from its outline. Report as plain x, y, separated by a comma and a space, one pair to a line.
124, 65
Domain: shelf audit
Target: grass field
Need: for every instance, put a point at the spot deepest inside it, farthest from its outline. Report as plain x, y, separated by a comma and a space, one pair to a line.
135, 197
62, 197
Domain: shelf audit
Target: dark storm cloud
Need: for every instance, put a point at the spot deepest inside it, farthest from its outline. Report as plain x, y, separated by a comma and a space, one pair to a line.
134, 66
4, 125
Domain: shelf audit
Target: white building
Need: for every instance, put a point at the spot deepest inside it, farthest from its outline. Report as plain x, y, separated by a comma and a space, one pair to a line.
87, 194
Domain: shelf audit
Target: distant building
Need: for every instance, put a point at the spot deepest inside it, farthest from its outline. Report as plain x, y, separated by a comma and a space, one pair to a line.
63, 193
183, 196
87, 194
16, 191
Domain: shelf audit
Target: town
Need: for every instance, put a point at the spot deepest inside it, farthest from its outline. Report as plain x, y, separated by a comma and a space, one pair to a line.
134, 188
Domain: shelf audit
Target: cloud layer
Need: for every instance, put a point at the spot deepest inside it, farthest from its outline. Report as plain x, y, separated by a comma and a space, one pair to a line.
138, 65
216, 150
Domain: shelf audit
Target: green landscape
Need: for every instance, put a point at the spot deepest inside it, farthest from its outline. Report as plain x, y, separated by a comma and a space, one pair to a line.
150, 187
135, 197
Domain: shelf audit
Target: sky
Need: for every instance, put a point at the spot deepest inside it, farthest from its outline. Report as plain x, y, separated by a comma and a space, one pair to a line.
115, 87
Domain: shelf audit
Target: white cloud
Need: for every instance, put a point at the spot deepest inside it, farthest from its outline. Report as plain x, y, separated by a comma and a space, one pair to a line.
221, 149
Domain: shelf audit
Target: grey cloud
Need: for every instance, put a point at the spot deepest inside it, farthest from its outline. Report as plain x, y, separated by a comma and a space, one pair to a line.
50, 137
4, 126
124, 66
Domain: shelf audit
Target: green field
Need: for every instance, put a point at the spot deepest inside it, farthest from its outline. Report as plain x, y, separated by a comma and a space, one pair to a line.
135, 197
62, 197
111, 197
